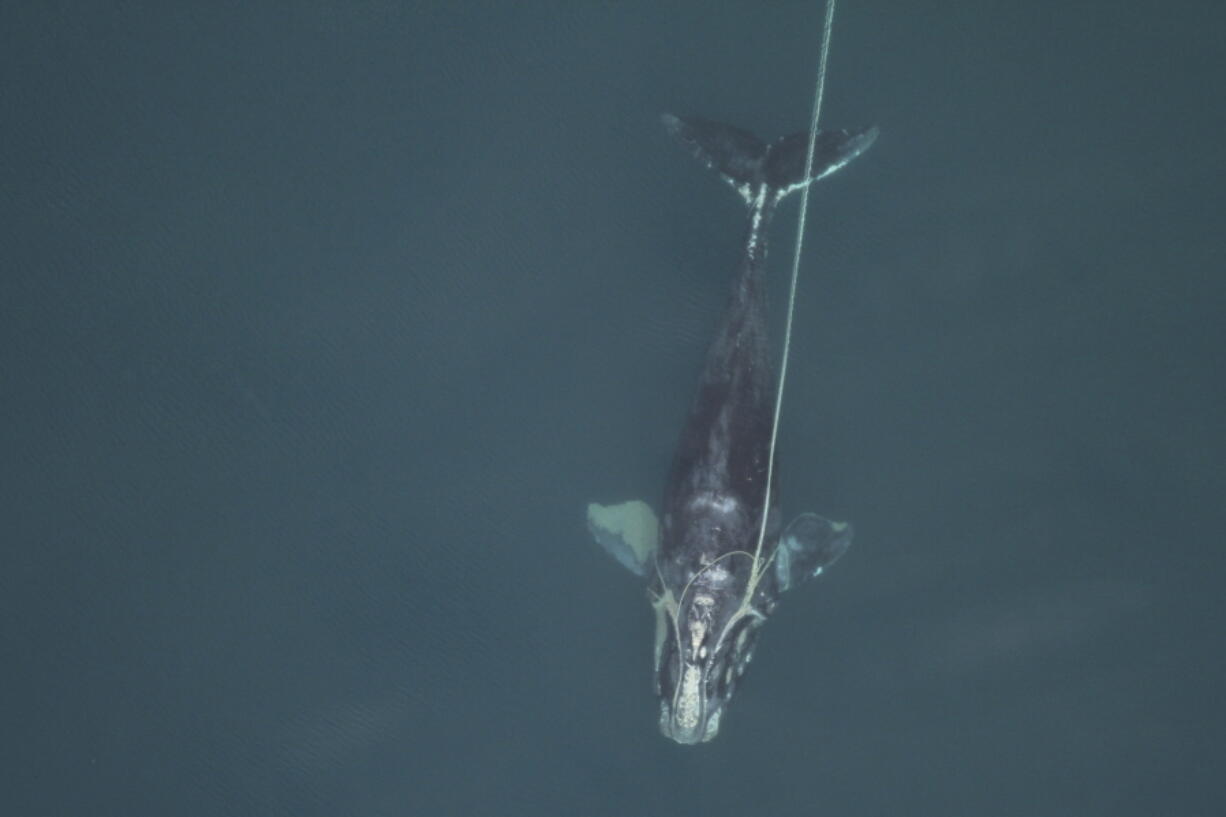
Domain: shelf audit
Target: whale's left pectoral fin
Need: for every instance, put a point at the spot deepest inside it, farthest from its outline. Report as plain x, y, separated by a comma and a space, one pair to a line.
629, 532
810, 544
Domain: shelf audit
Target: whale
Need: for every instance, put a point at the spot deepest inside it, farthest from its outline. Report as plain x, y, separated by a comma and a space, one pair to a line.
716, 558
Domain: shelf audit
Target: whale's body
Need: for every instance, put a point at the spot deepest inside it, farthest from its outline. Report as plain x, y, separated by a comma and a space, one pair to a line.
710, 582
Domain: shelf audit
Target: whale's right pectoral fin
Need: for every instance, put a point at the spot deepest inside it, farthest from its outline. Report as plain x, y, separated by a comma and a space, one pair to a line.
629, 532
808, 546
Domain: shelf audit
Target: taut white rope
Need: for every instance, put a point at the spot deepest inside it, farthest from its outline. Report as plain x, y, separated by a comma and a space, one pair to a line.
800, 235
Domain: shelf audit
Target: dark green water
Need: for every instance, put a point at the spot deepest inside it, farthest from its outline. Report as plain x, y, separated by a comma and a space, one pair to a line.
320, 324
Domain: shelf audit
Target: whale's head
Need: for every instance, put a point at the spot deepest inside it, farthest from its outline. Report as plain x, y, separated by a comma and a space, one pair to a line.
703, 646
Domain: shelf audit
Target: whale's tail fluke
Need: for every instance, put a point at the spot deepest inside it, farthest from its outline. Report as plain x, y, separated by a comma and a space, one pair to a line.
745, 161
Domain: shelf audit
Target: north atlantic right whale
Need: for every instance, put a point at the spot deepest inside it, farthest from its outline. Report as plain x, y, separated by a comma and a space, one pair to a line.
718, 560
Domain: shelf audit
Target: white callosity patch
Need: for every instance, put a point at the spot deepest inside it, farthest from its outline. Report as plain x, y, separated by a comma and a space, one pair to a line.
698, 630
688, 709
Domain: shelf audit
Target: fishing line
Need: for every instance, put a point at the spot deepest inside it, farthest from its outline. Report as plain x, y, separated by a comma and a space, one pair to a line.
800, 235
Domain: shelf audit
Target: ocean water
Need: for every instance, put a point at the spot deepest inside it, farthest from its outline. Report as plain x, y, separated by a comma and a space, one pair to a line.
322, 323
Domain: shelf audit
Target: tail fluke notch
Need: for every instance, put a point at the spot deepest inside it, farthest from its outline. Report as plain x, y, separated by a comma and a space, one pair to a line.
745, 161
